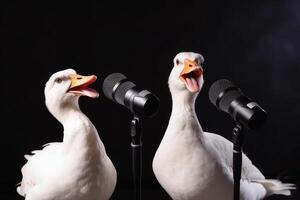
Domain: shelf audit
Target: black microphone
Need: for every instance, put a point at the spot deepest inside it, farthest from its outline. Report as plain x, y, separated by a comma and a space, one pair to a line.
230, 99
120, 89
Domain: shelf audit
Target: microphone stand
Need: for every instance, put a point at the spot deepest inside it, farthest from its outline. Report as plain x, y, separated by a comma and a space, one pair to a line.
238, 139
136, 146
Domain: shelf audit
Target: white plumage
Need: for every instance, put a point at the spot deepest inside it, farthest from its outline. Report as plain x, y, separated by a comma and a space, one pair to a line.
191, 164
77, 168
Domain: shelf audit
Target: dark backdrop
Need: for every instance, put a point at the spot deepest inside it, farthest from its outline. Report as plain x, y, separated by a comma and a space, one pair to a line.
255, 45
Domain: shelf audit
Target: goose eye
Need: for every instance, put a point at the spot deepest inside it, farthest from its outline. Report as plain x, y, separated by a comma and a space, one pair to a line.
58, 80
177, 62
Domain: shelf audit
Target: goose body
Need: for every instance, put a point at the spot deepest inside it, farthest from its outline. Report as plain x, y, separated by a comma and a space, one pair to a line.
191, 164
77, 168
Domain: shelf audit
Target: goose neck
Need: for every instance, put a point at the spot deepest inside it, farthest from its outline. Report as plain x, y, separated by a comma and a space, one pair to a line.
183, 104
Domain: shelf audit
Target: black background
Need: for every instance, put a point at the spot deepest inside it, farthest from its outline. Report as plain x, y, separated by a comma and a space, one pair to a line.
255, 45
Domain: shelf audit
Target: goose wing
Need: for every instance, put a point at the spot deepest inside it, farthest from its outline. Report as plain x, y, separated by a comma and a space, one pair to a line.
223, 151
41, 165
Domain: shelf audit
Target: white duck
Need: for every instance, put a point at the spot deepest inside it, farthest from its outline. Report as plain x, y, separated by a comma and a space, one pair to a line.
191, 164
77, 168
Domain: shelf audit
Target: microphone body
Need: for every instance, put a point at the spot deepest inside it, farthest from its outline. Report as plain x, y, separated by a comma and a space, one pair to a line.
120, 89
230, 99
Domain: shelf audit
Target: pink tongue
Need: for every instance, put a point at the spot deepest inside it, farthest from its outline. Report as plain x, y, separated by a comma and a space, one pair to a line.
192, 84
86, 92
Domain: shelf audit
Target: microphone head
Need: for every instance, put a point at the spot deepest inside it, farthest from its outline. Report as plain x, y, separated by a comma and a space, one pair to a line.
222, 92
229, 98
120, 89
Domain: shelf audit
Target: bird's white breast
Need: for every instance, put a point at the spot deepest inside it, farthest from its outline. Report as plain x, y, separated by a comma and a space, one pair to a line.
88, 166
184, 166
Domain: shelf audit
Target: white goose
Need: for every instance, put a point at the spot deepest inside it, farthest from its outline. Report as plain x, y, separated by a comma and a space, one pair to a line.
77, 168
191, 164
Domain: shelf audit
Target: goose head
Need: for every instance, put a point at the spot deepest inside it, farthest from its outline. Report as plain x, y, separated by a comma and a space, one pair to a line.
63, 89
186, 76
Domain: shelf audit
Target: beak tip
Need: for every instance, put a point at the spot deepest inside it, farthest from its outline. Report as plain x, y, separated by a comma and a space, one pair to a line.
94, 77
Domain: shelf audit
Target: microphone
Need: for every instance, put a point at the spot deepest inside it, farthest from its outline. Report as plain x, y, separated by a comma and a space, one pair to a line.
120, 89
230, 99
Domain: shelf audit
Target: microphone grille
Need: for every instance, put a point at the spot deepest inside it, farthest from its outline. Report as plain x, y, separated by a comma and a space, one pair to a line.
217, 88
109, 83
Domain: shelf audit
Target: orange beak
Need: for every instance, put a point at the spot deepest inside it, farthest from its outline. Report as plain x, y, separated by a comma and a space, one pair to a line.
79, 85
190, 67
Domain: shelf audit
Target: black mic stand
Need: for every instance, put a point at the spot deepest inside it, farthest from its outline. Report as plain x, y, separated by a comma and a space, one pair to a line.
136, 145
237, 139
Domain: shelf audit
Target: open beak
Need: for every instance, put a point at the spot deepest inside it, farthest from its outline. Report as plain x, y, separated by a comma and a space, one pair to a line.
190, 75
79, 85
